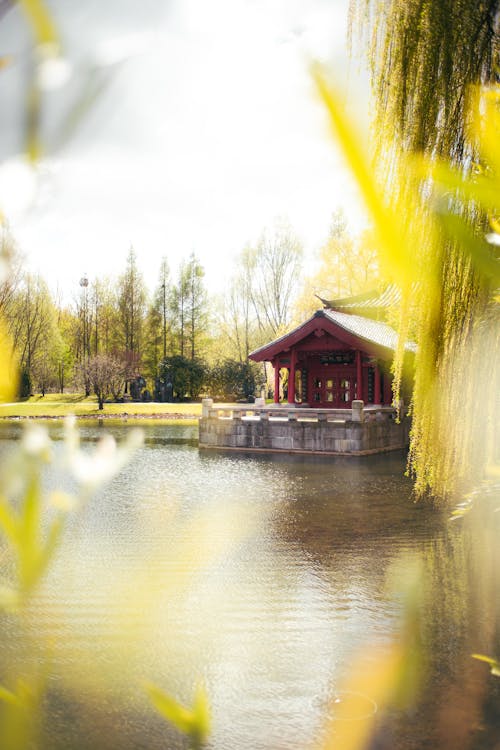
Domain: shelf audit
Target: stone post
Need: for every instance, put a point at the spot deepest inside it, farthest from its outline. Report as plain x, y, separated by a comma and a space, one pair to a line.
206, 405
358, 414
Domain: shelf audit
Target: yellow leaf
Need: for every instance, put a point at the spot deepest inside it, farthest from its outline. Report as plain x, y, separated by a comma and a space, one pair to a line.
41, 21
194, 723
5, 62
394, 247
8, 367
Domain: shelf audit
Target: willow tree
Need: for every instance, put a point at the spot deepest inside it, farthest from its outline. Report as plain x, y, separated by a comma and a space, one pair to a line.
425, 57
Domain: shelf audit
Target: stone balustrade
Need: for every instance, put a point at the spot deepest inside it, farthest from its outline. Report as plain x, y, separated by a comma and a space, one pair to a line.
361, 429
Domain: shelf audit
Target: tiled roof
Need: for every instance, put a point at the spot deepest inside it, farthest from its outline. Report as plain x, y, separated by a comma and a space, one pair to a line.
371, 330
374, 301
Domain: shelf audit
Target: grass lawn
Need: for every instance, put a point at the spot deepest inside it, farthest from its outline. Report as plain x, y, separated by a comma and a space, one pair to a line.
64, 404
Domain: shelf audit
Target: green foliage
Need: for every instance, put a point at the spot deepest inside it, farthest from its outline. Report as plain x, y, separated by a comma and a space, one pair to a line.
131, 305
348, 266
188, 309
31, 525
31, 545
24, 384
425, 57
232, 380
424, 54
185, 376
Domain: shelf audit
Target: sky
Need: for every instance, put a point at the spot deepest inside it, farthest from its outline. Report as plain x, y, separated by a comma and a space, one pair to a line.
175, 127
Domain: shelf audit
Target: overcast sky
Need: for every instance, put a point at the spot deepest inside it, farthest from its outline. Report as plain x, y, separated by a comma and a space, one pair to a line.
182, 126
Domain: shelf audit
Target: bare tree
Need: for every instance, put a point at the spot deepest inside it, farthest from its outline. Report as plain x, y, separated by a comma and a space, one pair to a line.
106, 375
237, 318
32, 321
277, 263
11, 264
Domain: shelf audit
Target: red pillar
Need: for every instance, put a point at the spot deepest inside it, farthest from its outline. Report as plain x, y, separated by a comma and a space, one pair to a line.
359, 376
376, 386
276, 382
291, 378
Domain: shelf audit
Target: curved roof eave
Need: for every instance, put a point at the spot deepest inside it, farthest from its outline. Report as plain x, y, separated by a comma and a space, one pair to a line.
373, 333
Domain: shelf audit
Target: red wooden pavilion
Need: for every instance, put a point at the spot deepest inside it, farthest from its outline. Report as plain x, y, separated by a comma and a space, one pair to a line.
336, 356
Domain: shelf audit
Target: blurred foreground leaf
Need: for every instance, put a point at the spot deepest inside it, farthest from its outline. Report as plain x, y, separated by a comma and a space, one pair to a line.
41, 21
494, 664
383, 678
8, 367
193, 722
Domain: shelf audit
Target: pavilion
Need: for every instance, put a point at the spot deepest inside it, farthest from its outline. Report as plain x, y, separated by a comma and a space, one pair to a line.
340, 354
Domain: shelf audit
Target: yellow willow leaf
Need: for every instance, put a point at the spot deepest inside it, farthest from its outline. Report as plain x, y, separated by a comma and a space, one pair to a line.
8, 367
41, 21
486, 127
33, 146
9, 522
7, 696
51, 542
9, 598
373, 682
493, 663
194, 723
481, 189
201, 712
475, 248
394, 243
171, 710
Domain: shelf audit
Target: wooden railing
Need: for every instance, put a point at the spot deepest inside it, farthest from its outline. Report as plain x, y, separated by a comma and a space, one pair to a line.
287, 412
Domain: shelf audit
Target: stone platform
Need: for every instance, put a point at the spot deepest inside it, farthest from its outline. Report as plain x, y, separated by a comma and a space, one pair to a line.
348, 432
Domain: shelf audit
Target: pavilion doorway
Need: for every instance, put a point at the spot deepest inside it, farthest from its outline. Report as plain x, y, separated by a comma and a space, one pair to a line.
334, 387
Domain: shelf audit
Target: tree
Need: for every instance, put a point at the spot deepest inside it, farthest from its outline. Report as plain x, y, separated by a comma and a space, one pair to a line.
105, 374
106, 328
131, 306
158, 323
183, 376
347, 266
425, 55
11, 259
232, 380
188, 304
236, 316
32, 322
276, 265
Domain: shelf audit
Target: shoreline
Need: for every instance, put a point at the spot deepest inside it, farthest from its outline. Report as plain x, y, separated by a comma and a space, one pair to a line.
174, 416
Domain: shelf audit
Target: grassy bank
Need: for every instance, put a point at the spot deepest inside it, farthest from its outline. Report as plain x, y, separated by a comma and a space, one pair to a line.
61, 405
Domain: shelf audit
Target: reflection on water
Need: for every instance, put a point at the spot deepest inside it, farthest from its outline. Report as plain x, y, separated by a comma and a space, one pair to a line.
263, 576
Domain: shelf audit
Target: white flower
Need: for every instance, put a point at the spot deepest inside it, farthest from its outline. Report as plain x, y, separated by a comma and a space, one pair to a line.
53, 71
93, 469
62, 501
493, 238
36, 442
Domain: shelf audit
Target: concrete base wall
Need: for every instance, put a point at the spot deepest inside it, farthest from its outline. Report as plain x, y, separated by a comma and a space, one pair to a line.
348, 438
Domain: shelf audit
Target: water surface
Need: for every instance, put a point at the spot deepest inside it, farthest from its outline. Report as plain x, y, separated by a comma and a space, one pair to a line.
265, 577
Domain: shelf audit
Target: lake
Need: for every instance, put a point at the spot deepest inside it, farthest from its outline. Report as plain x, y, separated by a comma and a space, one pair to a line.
277, 581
